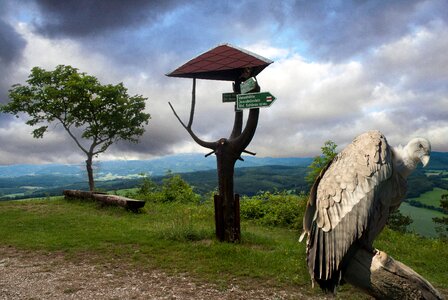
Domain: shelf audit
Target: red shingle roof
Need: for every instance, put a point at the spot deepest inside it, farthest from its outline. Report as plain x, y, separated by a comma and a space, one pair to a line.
224, 62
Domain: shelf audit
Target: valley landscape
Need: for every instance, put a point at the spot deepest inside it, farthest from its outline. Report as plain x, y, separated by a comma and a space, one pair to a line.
252, 176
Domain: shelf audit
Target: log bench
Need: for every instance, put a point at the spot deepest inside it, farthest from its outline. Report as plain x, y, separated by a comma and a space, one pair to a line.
130, 204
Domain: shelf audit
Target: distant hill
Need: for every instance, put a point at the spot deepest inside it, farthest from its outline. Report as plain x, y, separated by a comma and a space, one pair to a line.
438, 161
252, 175
25, 181
180, 163
249, 181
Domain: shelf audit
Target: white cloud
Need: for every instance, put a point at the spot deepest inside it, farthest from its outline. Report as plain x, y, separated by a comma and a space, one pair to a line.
18, 146
47, 54
415, 61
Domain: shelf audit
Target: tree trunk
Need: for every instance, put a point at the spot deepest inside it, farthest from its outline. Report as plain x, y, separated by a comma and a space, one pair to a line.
90, 172
226, 158
382, 277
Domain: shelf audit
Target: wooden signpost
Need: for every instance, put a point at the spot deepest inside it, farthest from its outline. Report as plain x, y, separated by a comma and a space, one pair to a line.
226, 62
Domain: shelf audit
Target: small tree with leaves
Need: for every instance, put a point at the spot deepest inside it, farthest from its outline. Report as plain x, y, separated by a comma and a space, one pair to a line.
399, 222
176, 189
320, 161
442, 222
94, 115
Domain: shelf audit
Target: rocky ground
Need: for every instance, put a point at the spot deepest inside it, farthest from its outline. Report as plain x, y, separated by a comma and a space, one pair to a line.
32, 275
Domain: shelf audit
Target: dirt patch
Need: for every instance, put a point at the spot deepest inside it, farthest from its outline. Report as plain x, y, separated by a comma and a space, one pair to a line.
36, 275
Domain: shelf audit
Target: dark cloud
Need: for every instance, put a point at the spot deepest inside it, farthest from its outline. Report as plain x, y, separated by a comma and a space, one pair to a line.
11, 44
337, 30
4, 86
135, 32
77, 18
5, 120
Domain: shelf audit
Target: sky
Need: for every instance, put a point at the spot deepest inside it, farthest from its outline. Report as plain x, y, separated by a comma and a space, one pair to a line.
340, 68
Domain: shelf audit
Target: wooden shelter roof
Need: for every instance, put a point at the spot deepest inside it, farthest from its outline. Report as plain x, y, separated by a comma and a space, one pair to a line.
224, 62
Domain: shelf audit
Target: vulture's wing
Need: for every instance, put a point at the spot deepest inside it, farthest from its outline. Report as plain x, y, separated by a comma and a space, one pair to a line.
342, 201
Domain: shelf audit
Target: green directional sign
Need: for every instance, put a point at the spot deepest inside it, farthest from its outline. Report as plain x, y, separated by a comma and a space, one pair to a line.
254, 100
228, 97
248, 85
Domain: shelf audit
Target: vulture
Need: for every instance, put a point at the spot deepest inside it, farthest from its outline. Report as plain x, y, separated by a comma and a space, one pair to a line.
351, 200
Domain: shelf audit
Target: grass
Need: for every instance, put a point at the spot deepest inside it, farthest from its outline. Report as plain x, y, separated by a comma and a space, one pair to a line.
179, 238
422, 217
163, 236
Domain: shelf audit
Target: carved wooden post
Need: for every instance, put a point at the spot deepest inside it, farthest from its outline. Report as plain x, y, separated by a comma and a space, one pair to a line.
227, 150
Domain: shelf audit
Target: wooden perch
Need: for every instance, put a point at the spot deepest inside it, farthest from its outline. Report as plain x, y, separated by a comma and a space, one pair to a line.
382, 277
127, 203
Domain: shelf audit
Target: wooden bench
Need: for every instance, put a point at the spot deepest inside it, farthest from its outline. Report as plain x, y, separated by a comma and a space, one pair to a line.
130, 204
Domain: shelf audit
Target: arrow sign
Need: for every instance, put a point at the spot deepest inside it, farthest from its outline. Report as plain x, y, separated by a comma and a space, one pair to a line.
254, 100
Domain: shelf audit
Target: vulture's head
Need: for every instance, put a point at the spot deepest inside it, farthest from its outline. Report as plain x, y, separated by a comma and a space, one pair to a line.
419, 150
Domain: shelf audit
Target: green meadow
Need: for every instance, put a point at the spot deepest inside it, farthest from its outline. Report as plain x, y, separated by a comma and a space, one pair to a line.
422, 219
431, 197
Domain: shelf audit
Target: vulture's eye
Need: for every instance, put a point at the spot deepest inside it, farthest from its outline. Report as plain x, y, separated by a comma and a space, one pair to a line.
420, 146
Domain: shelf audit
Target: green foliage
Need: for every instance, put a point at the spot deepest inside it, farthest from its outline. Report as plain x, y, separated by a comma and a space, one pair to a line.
106, 112
274, 209
175, 189
172, 189
442, 222
147, 186
103, 113
319, 162
399, 222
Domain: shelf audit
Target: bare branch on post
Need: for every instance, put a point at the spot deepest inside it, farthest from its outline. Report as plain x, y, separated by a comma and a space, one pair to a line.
210, 145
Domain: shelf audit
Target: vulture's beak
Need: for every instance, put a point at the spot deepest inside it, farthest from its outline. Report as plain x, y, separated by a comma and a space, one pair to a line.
425, 160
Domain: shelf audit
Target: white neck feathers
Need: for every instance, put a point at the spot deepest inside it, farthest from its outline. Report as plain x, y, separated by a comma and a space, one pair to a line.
404, 163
